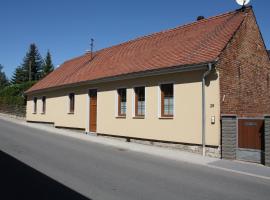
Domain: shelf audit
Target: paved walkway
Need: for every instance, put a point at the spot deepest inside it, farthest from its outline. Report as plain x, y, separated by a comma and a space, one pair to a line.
244, 168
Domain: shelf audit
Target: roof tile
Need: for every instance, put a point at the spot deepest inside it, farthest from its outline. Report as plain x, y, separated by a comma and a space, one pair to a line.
194, 43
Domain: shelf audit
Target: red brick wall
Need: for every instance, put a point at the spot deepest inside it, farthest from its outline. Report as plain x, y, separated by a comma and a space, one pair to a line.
244, 68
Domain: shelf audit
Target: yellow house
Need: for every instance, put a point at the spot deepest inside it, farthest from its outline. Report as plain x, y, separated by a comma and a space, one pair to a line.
169, 88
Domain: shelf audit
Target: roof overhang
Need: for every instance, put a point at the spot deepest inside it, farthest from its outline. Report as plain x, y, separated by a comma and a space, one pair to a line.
169, 70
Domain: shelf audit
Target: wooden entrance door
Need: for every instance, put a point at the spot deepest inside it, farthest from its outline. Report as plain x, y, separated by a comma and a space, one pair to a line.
250, 134
93, 110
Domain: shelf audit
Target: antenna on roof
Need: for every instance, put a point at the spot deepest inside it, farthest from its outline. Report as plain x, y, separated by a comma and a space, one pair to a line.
92, 47
243, 3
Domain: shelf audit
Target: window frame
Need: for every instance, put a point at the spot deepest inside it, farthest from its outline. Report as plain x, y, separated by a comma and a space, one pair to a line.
162, 103
135, 102
43, 99
119, 114
71, 97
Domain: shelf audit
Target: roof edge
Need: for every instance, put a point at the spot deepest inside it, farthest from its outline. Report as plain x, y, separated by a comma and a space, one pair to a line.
156, 72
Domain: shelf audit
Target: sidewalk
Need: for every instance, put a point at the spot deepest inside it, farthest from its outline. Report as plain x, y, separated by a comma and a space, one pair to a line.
249, 169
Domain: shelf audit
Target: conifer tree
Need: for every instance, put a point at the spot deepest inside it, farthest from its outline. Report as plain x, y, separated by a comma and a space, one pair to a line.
3, 78
32, 64
47, 66
31, 67
19, 76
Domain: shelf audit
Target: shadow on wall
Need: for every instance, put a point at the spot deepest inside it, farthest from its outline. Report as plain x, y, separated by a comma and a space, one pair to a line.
19, 181
211, 77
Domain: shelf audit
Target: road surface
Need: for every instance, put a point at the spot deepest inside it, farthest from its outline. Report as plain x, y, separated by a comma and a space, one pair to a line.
98, 172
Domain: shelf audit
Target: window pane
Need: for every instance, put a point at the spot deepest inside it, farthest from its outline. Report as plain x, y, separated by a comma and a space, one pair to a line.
171, 101
123, 108
140, 101
43, 104
122, 98
35, 105
167, 95
71, 102
141, 107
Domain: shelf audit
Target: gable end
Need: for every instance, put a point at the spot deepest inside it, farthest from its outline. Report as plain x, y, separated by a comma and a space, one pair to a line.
244, 69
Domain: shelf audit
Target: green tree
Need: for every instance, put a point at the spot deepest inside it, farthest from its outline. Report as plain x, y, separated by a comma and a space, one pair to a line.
47, 66
3, 78
32, 64
19, 76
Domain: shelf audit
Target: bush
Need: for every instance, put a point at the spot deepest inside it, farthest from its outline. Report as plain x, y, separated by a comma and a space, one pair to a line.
14, 94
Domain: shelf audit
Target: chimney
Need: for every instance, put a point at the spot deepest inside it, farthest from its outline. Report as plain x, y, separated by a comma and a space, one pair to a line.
200, 18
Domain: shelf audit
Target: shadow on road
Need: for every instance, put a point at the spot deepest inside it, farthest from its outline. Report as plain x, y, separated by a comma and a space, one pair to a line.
19, 181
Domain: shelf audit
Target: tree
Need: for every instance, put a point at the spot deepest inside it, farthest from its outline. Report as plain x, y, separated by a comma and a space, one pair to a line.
19, 76
3, 78
31, 68
47, 66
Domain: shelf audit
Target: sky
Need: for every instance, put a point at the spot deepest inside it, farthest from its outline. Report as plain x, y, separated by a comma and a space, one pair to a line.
66, 27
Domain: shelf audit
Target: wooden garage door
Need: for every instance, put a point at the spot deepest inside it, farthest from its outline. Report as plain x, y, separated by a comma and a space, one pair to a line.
250, 133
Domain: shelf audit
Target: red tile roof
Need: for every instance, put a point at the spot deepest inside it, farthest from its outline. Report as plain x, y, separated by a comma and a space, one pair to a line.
198, 42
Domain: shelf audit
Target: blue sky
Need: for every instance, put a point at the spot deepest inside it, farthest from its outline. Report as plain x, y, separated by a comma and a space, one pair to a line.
65, 27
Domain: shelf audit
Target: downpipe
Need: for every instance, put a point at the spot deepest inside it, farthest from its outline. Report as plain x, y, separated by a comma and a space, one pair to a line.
203, 107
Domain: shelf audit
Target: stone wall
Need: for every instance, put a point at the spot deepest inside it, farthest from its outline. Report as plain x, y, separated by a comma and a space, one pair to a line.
228, 137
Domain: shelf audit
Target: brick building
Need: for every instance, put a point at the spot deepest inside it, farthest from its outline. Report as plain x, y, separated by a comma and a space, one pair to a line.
202, 87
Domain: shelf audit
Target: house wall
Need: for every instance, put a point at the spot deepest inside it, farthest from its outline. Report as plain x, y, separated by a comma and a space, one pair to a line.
185, 127
244, 69
57, 108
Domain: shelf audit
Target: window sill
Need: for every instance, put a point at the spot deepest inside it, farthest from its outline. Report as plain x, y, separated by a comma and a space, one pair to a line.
121, 117
70, 113
166, 117
34, 113
139, 117
43, 113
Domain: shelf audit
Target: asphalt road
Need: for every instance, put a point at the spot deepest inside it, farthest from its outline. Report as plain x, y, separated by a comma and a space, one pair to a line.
84, 169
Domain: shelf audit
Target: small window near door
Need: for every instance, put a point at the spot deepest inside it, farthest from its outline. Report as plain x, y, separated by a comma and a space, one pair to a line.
122, 102
139, 101
71, 103
43, 105
35, 105
167, 100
